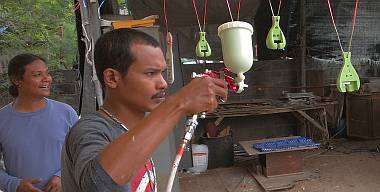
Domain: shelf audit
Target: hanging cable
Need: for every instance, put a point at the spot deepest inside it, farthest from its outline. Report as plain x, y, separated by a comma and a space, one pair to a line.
169, 50
100, 6
196, 14
166, 19
238, 10
333, 21
271, 8
229, 10
204, 15
353, 25
279, 7
76, 6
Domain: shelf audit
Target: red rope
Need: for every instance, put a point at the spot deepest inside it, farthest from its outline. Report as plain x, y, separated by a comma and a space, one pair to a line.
353, 23
196, 14
76, 6
238, 11
333, 21
331, 13
279, 8
354, 17
166, 19
229, 10
204, 15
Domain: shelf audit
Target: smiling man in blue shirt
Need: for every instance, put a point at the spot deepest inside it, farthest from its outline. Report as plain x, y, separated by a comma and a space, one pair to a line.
32, 129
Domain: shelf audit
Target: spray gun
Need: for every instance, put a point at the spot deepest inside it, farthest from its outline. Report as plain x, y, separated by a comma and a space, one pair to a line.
236, 37
233, 84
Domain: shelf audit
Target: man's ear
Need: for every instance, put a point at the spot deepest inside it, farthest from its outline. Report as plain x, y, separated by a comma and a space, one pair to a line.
16, 82
111, 77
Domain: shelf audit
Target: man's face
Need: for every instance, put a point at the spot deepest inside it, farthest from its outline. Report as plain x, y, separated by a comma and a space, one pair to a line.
36, 80
143, 87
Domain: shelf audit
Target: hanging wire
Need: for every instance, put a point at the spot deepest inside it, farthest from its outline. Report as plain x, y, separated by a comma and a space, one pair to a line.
229, 10
271, 8
279, 8
196, 14
238, 10
100, 6
333, 21
76, 6
353, 25
166, 19
204, 15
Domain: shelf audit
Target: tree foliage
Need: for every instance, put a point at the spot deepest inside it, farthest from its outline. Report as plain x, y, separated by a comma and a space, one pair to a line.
43, 27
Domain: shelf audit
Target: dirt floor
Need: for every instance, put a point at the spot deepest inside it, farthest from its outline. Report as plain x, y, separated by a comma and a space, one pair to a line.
348, 166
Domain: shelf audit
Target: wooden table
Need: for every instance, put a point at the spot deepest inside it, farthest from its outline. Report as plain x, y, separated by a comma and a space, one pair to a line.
281, 162
262, 107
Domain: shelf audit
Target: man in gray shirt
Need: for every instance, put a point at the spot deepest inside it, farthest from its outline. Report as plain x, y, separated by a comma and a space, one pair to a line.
109, 150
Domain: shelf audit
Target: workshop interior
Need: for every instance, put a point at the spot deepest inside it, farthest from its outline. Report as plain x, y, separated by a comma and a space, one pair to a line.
303, 78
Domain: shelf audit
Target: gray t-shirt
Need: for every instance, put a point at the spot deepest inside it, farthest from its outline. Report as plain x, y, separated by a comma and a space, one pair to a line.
81, 170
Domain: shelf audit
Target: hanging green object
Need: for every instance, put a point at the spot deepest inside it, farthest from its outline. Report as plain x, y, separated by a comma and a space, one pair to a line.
348, 79
203, 49
275, 37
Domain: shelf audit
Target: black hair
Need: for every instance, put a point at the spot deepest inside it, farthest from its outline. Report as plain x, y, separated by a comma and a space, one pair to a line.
113, 50
16, 69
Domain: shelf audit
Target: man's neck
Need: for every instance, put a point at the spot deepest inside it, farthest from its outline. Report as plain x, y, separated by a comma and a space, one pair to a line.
128, 117
24, 104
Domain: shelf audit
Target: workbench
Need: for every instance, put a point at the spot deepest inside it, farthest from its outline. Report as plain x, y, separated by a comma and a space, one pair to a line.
277, 170
269, 106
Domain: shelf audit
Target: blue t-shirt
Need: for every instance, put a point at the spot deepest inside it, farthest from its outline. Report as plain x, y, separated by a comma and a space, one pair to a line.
31, 143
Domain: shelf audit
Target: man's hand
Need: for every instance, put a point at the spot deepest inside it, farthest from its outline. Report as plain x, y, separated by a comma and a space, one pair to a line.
54, 185
26, 185
201, 94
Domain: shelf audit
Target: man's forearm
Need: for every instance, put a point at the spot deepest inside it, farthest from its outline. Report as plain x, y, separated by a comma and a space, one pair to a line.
125, 155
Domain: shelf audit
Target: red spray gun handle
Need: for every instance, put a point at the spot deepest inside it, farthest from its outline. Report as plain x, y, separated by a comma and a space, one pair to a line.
219, 75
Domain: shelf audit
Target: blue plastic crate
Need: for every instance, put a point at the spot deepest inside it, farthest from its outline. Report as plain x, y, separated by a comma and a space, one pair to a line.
285, 144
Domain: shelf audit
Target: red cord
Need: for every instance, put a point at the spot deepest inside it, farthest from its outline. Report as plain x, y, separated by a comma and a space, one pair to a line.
229, 9
196, 14
238, 11
76, 6
353, 22
331, 13
354, 17
204, 15
279, 7
166, 19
